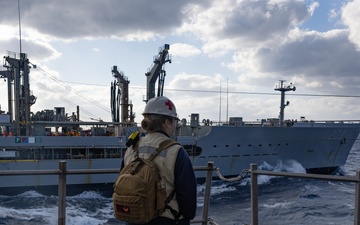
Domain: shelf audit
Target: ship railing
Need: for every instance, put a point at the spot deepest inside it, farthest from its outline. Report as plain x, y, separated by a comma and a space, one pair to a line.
64, 156
270, 123
328, 121
62, 172
56, 153
254, 187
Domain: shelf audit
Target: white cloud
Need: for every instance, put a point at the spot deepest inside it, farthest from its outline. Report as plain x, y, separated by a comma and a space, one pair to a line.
351, 18
184, 50
228, 25
336, 84
333, 14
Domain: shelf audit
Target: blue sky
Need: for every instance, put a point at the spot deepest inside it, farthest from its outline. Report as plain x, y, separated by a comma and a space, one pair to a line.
244, 47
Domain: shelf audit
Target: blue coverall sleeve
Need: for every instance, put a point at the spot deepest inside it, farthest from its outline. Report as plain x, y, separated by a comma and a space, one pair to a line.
185, 185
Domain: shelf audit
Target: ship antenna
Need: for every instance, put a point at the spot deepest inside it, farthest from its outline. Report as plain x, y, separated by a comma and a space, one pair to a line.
227, 100
220, 105
19, 25
282, 88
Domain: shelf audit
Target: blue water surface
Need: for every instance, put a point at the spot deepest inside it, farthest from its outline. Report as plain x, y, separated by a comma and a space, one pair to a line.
281, 201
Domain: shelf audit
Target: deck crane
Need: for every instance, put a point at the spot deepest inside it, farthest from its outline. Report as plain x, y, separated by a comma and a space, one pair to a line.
19, 95
157, 71
120, 98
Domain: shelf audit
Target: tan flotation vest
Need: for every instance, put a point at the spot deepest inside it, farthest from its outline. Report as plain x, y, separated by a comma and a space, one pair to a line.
165, 162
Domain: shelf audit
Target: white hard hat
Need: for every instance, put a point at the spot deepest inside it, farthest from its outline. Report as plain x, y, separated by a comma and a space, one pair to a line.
160, 106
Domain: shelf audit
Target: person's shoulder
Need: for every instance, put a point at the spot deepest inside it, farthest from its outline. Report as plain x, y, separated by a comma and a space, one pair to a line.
182, 152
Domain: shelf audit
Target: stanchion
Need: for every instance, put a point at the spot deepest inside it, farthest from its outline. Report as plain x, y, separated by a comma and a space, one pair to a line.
205, 213
254, 195
357, 199
62, 193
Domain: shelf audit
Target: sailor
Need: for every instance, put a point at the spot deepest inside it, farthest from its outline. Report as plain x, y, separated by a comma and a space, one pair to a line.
175, 167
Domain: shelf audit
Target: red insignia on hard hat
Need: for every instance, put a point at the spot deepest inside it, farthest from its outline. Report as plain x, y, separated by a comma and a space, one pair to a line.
169, 104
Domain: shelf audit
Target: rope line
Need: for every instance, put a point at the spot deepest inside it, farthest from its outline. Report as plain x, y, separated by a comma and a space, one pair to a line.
212, 222
233, 179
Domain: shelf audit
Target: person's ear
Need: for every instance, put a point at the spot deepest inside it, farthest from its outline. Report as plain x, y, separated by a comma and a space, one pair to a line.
167, 122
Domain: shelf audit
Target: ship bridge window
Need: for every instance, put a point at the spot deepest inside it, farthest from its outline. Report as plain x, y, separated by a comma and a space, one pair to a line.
192, 150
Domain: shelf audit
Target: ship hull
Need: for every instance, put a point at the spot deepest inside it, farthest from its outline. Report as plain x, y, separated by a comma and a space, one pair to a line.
232, 149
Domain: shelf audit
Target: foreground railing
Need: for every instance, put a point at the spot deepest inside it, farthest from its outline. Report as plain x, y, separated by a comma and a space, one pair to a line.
62, 172
254, 188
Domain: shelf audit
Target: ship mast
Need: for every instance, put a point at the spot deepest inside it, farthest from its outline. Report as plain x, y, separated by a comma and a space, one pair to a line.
282, 88
120, 88
156, 72
19, 97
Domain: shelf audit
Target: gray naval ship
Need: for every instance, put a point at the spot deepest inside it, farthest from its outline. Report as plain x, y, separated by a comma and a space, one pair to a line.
38, 141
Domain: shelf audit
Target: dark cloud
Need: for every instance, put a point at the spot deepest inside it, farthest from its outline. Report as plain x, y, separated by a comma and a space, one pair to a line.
326, 57
261, 20
313, 54
35, 50
92, 18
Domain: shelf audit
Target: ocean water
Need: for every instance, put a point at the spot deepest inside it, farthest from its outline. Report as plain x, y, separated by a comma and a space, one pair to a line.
281, 201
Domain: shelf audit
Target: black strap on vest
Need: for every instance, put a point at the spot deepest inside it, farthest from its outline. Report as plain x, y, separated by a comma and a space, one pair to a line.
175, 214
